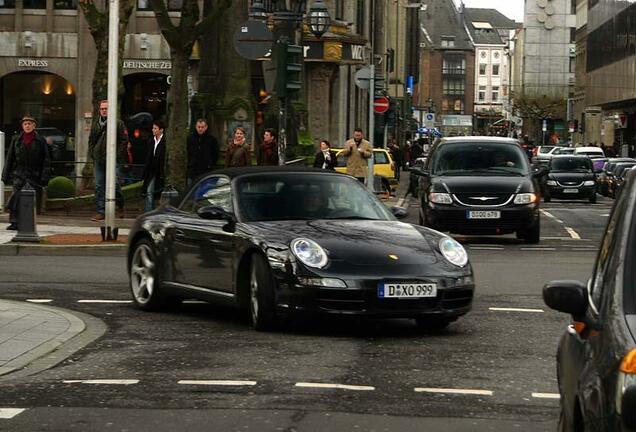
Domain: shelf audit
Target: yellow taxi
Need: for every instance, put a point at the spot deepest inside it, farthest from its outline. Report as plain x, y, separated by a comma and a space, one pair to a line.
383, 165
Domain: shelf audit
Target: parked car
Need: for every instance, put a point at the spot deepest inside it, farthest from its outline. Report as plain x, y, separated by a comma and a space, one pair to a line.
619, 178
544, 154
280, 240
571, 176
589, 151
383, 165
607, 171
480, 185
616, 177
563, 151
596, 356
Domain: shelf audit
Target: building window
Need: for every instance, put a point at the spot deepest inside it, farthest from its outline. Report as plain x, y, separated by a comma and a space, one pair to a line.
495, 93
339, 9
143, 5
572, 35
7, 4
482, 69
453, 87
454, 65
175, 5
495, 70
448, 41
64, 4
360, 17
482, 93
34, 4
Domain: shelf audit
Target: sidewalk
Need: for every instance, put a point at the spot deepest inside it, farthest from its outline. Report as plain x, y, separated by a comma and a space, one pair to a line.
35, 337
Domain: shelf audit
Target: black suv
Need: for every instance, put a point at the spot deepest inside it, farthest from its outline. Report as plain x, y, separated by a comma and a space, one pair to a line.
480, 185
571, 176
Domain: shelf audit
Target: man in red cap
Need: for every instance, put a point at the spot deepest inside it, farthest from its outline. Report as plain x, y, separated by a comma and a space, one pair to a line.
28, 161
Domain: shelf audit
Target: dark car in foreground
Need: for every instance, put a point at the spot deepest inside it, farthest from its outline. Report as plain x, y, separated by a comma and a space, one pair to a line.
280, 240
596, 356
480, 185
571, 177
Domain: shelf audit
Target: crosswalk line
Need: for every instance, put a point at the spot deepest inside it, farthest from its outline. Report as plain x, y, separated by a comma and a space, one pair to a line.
9, 413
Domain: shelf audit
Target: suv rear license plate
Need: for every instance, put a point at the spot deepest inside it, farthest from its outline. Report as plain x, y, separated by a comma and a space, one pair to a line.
407, 290
483, 214
570, 191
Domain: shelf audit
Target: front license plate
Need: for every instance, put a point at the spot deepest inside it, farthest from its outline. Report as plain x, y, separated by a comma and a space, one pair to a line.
570, 191
407, 290
483, 214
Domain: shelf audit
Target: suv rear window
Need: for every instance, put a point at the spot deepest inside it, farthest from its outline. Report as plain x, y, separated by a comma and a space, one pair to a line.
571, 164
479, 158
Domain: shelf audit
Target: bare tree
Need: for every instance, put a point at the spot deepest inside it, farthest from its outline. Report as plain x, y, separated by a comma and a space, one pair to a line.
181, 38
98, 26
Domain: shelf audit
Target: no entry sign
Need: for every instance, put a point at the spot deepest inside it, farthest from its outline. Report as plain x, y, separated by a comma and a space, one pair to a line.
381, 105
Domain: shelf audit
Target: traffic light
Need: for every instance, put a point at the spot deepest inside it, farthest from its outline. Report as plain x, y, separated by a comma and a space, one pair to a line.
288, 68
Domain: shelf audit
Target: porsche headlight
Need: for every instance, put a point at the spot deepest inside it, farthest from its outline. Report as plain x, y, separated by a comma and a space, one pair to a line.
551, 183
440, 198
589, 183
525, 198
453, 251
309, 252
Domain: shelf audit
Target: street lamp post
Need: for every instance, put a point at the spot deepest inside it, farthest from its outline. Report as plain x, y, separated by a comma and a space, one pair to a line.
287, 18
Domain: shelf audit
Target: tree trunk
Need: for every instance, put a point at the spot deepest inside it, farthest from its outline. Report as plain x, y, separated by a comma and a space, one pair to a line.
177, 127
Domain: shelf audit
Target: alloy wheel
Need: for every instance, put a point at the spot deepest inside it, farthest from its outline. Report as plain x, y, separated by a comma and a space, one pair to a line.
142, 278
254, 294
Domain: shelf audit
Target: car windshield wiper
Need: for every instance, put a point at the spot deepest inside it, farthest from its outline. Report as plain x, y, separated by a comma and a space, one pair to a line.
502, 170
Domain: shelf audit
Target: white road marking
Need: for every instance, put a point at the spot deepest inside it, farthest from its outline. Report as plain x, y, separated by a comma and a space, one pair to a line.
453, 391
217, 382
9, 413
103, 381
573, 233
39, 300
537, 249
584, 249
335, 386
605, 215
547, 213
502, 309
104, 301
546, 395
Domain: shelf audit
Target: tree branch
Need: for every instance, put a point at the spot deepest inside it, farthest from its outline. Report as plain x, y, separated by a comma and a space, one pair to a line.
168, 30
205, 25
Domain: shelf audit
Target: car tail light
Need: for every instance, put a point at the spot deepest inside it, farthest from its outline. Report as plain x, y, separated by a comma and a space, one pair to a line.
626, 377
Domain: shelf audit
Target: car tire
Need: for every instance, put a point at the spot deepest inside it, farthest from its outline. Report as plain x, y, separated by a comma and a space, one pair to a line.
143, 281
262, 296
533, 234
432, 325
593, 198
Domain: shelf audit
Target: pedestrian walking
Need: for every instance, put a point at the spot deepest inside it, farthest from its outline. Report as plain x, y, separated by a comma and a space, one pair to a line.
357, 150
396, 154
326, 158
28, 162
238, 153
97, 152
268, 153
203, 151
154, 169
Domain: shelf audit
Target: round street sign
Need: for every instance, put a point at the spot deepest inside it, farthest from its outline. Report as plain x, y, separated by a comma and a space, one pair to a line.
253, 40
381, 105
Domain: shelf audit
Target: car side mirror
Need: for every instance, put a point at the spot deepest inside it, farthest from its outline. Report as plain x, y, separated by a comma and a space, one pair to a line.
540, 171
215, 213
628, 408
399, 212
566, 296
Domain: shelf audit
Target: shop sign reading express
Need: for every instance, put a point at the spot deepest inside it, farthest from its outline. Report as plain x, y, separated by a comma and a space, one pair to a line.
33, 63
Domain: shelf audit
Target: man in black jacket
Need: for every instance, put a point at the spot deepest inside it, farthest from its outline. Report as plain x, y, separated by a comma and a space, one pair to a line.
97, 152
203, 151
154, 170
28, 161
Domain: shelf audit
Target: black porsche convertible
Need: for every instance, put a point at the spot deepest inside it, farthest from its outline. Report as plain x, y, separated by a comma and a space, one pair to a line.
278, 240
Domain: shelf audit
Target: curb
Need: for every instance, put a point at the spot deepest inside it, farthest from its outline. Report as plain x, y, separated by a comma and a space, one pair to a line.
14, 249
82, 330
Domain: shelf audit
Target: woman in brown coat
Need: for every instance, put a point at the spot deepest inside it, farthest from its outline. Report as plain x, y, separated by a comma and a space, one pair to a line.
238, 153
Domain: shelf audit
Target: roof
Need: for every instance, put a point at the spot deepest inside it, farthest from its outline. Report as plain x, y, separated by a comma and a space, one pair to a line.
502, 140
492, 16
442, 20
236, 172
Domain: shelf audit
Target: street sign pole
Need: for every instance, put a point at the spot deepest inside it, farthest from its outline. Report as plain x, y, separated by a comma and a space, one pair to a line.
371, 132
111, 122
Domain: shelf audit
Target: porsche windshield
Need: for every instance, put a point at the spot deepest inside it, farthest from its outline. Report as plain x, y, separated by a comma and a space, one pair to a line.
479, 158
306, 196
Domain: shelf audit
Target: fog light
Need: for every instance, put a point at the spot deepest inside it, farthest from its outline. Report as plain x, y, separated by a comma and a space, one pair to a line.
322, 282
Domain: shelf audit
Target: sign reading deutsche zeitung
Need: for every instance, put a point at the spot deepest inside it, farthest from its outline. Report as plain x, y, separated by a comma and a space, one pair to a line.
147, 64
30, 63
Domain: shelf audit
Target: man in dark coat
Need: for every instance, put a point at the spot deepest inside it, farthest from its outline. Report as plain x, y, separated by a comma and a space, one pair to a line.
97, 152
203, 151
326, 158
28, 161
268, 152
154, 170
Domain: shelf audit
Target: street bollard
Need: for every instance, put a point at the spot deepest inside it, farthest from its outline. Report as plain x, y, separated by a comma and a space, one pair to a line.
169, 196
26, 216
